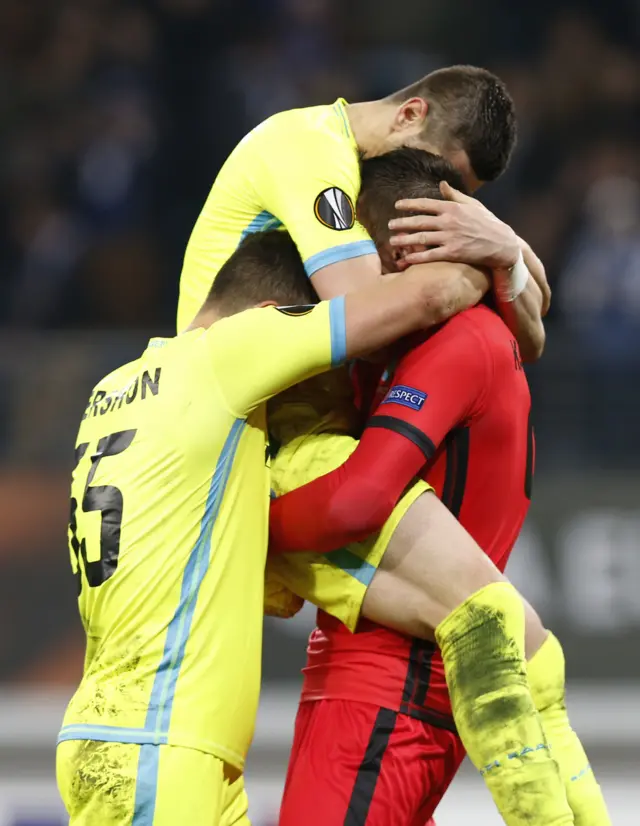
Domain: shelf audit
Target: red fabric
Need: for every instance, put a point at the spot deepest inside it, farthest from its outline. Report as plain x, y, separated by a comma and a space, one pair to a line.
350, 503
479, 425
378, 666
452, 369
338, 777
365, 379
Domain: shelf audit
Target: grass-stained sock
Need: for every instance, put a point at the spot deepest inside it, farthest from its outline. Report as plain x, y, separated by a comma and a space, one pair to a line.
546, 671
482, 644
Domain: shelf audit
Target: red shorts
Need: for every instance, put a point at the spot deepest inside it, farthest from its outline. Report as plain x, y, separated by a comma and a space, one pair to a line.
355, 764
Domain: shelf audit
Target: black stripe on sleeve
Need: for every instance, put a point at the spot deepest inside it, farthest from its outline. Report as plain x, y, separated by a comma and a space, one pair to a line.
369, 771
406, 429
457, 464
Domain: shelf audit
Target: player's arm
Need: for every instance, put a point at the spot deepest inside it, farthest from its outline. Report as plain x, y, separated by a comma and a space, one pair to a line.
538, 274
462, 229
311, 182
260, 352
436, 388
523, 314
311, 185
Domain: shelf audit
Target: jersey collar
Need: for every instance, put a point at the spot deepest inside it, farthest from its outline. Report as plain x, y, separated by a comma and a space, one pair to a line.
340, 108
157, 342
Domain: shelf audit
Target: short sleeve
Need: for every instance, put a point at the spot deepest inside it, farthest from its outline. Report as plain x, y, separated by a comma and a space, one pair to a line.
260, 352
312, 183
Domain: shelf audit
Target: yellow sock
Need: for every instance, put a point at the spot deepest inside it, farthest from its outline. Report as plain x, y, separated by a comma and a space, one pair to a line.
546, 679
482, 645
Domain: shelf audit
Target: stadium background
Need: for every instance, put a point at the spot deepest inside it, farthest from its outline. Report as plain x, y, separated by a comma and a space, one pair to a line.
114, 118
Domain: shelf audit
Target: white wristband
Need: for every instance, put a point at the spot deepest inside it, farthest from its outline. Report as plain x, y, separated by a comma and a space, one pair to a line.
510, 283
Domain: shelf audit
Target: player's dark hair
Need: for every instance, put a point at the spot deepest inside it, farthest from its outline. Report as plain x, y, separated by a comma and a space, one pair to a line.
471, 109
266, 266
402, 173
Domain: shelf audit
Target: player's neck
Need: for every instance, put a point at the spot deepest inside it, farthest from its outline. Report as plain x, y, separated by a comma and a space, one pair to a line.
205, 318
372, 125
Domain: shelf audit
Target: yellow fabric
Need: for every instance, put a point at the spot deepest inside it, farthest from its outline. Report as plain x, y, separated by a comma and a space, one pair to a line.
175, 633
323, 404
546, 671
124, 784
336, 582
279, 601
482, 645
273, 178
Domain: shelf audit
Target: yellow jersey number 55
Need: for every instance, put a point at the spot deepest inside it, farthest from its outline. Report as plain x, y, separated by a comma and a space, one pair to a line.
108, 500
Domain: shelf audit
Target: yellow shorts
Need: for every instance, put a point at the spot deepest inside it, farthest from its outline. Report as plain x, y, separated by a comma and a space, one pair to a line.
123, 784
337, 581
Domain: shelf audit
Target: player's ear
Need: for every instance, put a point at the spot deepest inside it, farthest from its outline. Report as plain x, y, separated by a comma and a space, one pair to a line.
389, 256
411, 115
402, 252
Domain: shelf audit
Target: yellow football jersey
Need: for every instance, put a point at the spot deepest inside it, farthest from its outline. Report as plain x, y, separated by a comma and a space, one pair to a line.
169, 525
299, 169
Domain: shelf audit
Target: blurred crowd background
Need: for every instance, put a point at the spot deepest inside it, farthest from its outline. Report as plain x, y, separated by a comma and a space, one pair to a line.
115, 117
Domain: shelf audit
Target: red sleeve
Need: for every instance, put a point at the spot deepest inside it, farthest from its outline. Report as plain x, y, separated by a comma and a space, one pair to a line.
351, 502
437, 386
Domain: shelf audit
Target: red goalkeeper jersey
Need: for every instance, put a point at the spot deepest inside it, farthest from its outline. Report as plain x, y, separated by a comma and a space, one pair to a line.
457, 413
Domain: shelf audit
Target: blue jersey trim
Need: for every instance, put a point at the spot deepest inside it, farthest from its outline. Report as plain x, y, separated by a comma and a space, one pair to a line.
340, 253
111, 734
146, 786
338, 323
164, 686
351, 564
261, 223
155, 731
343, 116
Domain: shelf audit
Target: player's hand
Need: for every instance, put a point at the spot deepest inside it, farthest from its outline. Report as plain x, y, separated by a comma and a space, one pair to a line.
457, 229
539, 275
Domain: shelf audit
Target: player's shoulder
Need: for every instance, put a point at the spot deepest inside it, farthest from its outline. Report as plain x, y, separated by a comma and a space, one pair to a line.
311, 117
118, 377
498, 341
317, 123
121, 383
477, 333
153, 361
486, 323
481, 317
472, 326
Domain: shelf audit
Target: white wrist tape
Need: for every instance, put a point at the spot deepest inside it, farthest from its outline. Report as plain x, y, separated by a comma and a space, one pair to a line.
510, 283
